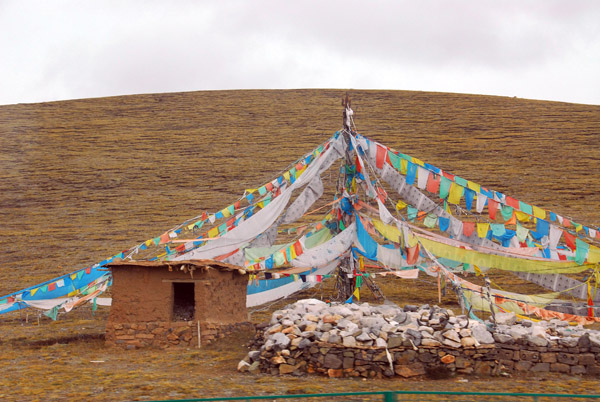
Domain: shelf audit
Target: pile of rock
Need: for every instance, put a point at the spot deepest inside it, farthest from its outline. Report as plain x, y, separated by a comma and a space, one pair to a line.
384, 340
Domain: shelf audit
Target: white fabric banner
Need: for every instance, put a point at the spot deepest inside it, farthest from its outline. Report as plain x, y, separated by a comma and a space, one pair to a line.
328, 251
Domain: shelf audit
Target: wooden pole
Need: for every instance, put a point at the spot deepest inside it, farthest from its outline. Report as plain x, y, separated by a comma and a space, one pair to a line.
199, 336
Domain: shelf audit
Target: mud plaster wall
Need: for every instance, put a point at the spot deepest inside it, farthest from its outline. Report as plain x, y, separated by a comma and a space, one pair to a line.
142, 294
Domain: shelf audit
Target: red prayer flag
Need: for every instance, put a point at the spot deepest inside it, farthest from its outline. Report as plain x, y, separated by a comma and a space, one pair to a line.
381, 156
88, 270
269, 186
570, 240
51, 286
492, 208
512, 202
298, 248
412, 255
433, 183
448, 175
468, 228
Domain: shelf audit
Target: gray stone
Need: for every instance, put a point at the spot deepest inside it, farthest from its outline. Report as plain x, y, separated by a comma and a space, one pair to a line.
518, 332
452, 335
401, 317
503, 338
451, 343
380, 343
363, 337
505, 318
537, 341
334, 338
430, 342
414, 335
482, 335
410, 307
468, 341
349, 341
254, 355
569, 342
280, 340
395, 341
332, 361
305, 343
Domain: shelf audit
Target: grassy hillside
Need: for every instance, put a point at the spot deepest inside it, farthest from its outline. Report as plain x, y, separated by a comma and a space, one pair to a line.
82, 180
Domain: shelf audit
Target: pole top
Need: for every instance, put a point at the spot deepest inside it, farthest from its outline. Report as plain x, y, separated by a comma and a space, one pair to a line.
347, 113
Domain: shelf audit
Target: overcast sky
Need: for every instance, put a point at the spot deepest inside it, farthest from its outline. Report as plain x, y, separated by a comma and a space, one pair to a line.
55, 50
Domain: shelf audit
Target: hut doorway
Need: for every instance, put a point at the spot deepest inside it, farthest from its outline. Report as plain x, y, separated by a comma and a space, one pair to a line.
184, 303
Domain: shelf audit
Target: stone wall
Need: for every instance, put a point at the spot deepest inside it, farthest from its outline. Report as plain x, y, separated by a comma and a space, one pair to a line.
435, 362
164, 334
385, 341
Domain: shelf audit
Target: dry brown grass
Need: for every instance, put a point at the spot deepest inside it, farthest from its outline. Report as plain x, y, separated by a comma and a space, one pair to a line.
82, 180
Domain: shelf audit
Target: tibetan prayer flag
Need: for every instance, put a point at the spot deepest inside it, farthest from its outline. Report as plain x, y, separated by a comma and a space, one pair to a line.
498, 229
482, 229
581, 251
88, 270
214, 232
542, 227
469, 196
357, 294
394, 159
468, 228
401, 205
507, 212
380, 158
474, 186
455, 193
522, 216
430, 220
433, 183
412, 255
51, 287
569, 239
512, 220
524, 207
444, 223
522, 233
512, 202
460, 181
492, 208
539, 212
411, 173
445, 184
411, 213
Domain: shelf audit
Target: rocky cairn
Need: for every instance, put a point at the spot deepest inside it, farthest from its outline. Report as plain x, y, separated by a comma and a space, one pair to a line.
354, 340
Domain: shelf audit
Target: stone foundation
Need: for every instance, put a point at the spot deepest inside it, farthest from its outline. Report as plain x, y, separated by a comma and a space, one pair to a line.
434, 362
163, 334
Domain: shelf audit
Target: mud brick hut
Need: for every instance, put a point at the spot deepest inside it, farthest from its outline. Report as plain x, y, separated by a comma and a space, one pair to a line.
168, 303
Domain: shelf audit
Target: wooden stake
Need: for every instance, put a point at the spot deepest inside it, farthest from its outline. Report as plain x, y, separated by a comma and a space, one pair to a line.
439, 288
199, 337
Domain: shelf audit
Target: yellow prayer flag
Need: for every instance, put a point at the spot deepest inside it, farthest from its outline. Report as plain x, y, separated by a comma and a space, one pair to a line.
390, 232
214, 232
477, 270
299, 172
403, 166
286, 175
539, 212
226, 213
357, 294
73, 276
418, 162
594, 255
522, 216
474, 186
578, 227
401, 205
292, 252
456, 193
482, 229
34, 291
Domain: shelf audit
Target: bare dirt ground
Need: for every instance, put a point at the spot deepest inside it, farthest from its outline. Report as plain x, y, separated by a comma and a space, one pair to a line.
81, 180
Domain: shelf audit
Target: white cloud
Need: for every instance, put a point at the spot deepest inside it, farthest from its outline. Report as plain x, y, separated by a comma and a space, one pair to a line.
69, 49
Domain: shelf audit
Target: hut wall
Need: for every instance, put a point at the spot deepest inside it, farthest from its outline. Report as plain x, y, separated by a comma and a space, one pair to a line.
142, 308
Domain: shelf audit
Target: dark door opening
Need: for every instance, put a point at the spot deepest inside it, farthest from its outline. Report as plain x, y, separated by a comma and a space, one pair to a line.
184, 303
